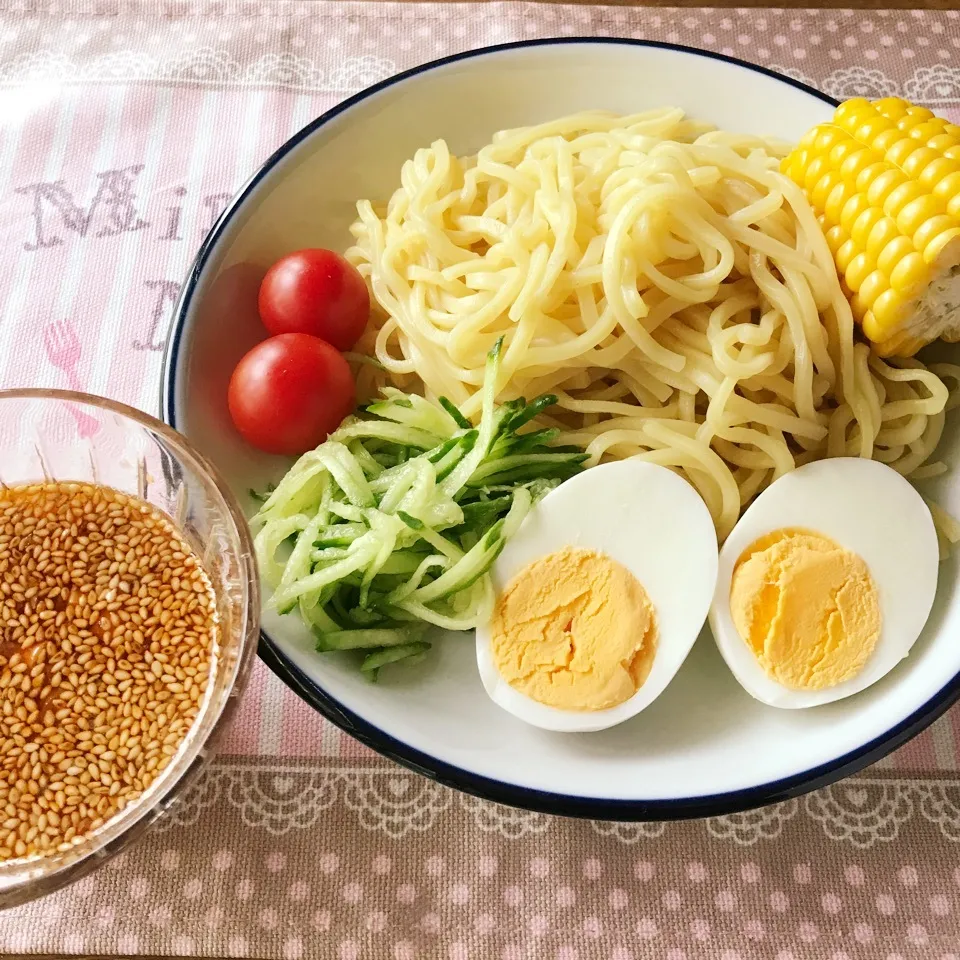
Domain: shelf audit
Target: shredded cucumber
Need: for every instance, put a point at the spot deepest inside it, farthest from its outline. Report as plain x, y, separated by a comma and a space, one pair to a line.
394, 522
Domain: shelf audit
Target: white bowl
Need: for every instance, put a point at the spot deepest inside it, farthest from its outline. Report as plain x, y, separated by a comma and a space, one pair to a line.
705, 746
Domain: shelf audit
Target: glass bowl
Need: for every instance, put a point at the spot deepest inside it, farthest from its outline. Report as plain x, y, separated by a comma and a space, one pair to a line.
60, 435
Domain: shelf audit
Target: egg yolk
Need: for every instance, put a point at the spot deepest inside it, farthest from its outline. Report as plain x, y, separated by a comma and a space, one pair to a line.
807, 607
574, 630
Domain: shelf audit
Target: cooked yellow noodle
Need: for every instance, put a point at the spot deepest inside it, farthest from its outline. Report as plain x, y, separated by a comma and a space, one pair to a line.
665, 280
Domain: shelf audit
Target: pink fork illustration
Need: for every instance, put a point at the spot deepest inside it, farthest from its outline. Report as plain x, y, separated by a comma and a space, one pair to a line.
63, 351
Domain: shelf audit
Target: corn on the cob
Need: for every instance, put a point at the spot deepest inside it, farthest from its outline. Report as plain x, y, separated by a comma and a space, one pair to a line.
884, 180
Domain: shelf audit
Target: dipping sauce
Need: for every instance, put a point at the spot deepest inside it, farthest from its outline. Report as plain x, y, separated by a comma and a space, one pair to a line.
108, 637
574, 630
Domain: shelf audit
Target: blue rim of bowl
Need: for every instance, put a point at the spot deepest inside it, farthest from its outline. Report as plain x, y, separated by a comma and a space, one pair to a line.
438, 770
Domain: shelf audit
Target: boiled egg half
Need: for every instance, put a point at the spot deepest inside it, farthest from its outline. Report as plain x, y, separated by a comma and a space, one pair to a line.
622, 543
825, 583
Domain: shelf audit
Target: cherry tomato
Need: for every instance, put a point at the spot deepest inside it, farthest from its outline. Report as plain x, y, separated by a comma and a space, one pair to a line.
289, 392
315, 292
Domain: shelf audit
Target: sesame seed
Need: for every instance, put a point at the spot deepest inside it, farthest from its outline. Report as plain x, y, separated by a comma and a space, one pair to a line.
108, 637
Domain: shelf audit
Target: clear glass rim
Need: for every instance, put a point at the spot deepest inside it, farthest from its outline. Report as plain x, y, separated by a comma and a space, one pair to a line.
134, 821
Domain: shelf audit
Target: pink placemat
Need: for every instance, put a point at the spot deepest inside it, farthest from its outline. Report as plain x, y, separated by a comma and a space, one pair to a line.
124, 129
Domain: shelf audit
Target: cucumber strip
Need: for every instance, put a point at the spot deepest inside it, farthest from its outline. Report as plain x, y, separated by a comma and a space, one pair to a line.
414, 411
446, 621
347, 473
506, 465
454, 411
522, 502
328, 555
371, 467
440, 544
464, 445
401, 479
412, 522
372, 638
386, 528
296, 492
520, 476
299, 563
347, 511
373, 662
489, 424
533, 409
415, 493
394, 432
474, 562
365, 549
441, 513
402, 563
364, 619
434, 561
315, 616
537, 441
338, 534
268, 540
437, 454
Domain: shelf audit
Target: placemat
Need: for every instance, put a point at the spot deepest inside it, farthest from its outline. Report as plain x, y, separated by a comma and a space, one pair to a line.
124, 129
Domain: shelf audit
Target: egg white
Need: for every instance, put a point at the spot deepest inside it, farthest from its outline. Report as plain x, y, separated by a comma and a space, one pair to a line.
655, 524
866, 507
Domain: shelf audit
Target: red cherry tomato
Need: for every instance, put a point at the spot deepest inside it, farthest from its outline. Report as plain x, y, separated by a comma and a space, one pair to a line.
315, 292
289, 392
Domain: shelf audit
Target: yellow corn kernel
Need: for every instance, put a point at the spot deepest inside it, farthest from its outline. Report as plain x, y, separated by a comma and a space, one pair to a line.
917, 212
941, 169
883, 179
948, 190
932, 228
926, 131
856, 161
844, 256
861, 266
845, 116
900, 151
823, 188
887, 139
835, 201
899, 197
874, 284
835, 237
870, 326
867, 132
895, 251
893, 108
882, 234
887, 308
853, 209
875, 171
917, 160
909, 275
942, 142
946, 244
825, 138
864, 224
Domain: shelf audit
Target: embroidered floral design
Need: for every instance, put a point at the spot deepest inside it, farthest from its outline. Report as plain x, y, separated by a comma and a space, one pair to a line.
509, 822
862, 812
629, 833
859, 82
750, 827
394, 802
934, 85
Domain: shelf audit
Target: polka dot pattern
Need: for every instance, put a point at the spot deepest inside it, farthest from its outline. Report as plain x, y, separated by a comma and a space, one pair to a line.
381, 863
